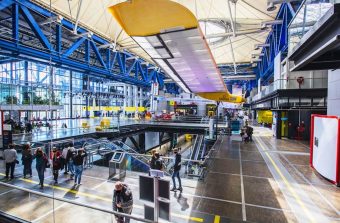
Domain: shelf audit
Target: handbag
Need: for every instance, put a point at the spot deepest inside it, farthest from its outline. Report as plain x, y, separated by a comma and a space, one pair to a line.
47, 164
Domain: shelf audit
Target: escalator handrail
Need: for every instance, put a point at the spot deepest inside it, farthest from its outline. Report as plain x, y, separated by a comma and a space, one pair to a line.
198, 147
193, 148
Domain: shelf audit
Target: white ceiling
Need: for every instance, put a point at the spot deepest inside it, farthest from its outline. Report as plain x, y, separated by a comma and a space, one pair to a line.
249, 15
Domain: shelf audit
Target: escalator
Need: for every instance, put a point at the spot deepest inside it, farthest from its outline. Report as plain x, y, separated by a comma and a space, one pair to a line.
105, 149
196, 149
137, 163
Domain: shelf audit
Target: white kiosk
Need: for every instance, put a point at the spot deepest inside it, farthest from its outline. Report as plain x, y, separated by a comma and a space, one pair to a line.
325, 146
117, 166
155, 192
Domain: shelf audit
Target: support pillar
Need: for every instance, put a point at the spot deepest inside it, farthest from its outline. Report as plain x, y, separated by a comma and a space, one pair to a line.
125, 98
141, 139
26, 99
135, 100
279, 125
130, 96
51, 92
71, 96
141, 97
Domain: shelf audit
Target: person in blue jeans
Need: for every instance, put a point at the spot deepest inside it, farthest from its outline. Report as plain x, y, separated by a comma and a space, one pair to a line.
71, 153
41, 162
78, 162
177, 168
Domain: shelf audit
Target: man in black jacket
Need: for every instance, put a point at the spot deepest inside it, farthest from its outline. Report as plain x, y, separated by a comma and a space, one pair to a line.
177, 168
122, 201
78, 162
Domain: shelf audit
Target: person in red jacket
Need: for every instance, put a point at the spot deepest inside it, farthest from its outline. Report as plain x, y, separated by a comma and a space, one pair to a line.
56, 164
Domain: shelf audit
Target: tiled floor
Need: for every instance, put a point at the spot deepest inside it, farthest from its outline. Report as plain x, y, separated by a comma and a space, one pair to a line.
241, 185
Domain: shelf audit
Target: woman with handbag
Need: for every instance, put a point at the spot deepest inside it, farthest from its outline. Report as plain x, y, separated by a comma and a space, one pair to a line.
41, 165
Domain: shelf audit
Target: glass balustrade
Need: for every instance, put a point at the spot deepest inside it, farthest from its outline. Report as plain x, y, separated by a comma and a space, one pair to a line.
58, 205
281, 84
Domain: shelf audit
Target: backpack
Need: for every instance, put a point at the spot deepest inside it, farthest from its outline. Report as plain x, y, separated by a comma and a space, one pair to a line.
159, 164
153, 163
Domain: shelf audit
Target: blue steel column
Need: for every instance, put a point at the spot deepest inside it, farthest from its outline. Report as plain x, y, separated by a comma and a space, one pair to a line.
25, 96
108, 58
71, 95
87, 51
86, 83
58, 39
15, 23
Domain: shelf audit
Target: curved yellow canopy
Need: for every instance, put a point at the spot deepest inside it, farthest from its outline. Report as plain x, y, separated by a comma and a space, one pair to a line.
150, 17
147, 18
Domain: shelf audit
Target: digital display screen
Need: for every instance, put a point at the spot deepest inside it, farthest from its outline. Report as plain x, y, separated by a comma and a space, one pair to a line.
164, 210
149, 213
316, 141
117, 156
146, 188
164, 189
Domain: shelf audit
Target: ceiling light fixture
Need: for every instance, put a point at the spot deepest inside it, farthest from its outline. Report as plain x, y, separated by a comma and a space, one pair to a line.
258, 46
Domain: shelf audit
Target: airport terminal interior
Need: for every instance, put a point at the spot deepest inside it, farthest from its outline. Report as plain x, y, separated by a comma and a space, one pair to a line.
184, 111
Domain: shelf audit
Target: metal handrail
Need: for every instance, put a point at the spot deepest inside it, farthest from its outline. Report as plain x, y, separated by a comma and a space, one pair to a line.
11, 218
130, 151
76, 203
164, 157
199, 146
193, 147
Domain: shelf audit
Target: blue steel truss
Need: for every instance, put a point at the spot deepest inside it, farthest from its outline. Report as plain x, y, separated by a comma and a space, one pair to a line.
172, 88
278, 41
30, 37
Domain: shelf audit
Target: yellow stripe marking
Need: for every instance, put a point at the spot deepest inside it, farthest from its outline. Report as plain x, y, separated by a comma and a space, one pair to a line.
297, 198
217, 219
188, 217
101, 198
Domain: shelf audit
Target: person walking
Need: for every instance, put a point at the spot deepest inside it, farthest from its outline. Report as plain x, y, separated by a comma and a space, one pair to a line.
27, 159
78, 161
29, 127
69, 159
177, 168
10, 157
56, 164
152, 161
63, 159
249, 132
158, 162
41, 163
122, 201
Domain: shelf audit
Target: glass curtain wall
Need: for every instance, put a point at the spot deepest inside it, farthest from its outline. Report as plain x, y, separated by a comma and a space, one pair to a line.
30, 83
45, 92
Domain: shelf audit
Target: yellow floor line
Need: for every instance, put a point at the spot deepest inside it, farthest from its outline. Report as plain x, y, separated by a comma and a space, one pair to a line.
187, 217
101, 198
290, 188
217, 219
